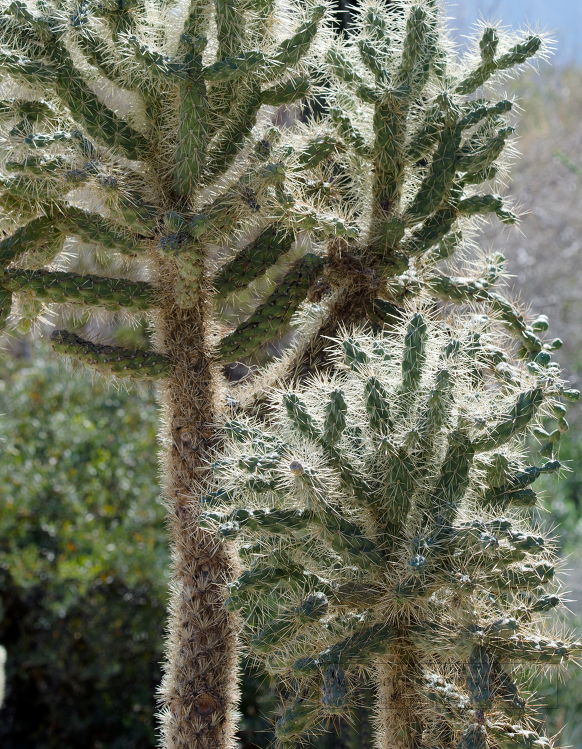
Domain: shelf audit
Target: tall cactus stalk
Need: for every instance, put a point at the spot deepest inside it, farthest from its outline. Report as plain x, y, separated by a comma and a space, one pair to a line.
381, 482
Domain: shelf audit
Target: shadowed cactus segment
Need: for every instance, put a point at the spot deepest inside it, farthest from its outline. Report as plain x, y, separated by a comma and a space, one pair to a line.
383, 505
276, 311
110, 293
112, 360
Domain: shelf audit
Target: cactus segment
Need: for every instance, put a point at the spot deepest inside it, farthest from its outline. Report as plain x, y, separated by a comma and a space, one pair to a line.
400, 477
299, 416
234, 67
335, 418
523, 577
94, 229
366, 642
439, 182
295, 47
517, 55
253, 260
370, 58
414, 40
36, 72
516, 737
475, 159
514, 421
159, 65
506, 689
515, 491
434, 229
193, 127
454, 478
343, 68
480, 204
425, 139
414, 353
295, 721
241, 120
334, 690
377, 406
111, 360
101, 123
474, 737
344, 537
536, 648
313, 608
286, 93
480, 678
5, 307
389, 162
269, 318
349, 133
317, 150
68, 288
27, 239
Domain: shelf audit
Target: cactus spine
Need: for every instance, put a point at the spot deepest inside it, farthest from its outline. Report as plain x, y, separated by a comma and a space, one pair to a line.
394, 460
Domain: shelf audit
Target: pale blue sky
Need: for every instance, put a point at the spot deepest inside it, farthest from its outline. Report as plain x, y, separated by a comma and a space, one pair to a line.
562, 17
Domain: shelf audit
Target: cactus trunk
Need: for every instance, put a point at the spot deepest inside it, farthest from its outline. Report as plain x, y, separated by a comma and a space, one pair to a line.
199, 690
397, 720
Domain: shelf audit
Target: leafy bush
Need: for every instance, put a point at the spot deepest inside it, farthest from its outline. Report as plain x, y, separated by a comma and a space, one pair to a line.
82, 560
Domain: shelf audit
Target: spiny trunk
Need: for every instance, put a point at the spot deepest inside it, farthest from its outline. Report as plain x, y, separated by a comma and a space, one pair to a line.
398, 724
199, 687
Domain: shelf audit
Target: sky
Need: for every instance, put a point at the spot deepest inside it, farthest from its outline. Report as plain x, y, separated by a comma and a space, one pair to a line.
562, 17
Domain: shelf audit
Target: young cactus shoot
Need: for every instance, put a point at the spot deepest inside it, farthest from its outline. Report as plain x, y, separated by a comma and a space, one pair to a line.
174, 141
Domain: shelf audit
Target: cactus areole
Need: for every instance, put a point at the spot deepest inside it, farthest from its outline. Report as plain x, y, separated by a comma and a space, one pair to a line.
357, 510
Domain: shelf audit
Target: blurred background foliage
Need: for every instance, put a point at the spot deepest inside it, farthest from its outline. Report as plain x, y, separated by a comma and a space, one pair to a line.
83, 557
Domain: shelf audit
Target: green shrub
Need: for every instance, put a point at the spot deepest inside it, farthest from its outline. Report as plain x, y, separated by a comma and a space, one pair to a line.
82, 560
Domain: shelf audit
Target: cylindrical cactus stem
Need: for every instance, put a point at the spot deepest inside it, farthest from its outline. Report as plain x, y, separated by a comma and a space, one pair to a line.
193, 126
335, 418
389, 154
414, 353
111, 360
27, 238
110, 293
275, 313
5, 306
199, 689
253, 260
517, 55
395, 710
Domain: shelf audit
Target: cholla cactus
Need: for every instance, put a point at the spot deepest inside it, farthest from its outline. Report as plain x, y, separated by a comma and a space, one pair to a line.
146, 131
382, 514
